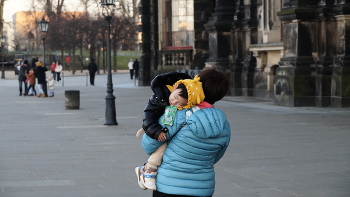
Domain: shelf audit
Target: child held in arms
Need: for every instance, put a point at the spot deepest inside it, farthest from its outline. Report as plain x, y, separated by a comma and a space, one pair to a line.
184, 94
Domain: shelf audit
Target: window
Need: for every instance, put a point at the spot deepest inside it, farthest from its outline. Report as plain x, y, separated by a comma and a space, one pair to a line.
179, 24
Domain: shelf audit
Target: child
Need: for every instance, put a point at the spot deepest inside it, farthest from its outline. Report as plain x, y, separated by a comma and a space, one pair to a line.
184, 94
53, 67
31, 76
51, 86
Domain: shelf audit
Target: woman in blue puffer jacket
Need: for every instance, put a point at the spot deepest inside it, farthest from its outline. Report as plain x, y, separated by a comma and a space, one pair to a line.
187, 168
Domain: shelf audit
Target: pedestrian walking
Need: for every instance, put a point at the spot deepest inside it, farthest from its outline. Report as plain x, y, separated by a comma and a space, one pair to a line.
32, 79
53, 67
136, 67
131, 69
41, 76
92, 70
58, 70
24, 69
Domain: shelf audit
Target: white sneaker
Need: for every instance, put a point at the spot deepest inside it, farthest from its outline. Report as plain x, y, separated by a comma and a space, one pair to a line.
139, 174
149, 180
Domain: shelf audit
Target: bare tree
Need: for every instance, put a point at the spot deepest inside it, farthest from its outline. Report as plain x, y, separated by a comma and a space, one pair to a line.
2, 15
19, 41
73, 22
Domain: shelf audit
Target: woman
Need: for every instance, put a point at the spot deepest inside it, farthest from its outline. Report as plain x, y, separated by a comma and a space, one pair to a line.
188, 163
22, 78
58, 70
53, 67
131, 69
40, 74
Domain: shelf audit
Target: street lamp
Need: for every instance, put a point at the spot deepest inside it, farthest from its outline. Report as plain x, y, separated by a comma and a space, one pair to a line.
108, 8
3, 40
43, 27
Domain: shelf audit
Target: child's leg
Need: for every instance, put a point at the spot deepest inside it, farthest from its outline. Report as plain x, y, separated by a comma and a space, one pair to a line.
146, 175
156, 158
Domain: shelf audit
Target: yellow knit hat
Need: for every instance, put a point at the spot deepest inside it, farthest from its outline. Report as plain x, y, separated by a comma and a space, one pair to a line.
194, 90
38, 63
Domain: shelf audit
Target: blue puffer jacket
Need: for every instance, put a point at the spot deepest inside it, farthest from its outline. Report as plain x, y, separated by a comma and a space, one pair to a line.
188, 162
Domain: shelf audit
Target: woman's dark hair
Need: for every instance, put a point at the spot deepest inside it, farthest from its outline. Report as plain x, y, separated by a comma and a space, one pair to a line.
183, 92
215, 84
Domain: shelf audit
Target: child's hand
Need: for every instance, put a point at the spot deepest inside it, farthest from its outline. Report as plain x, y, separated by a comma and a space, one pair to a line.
162, 136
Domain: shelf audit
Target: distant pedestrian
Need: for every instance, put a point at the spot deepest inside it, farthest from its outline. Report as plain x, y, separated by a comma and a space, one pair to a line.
92, 70
24, 69
31, 88
51, 86
131, 68
34, 61
136, 68
41, 76
53, 67
58, 70
17, 66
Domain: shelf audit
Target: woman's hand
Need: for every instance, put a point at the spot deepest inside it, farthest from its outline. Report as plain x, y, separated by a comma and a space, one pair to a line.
162, 136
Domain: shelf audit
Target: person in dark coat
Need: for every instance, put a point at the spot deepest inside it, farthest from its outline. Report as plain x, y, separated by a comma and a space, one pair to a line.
92, 70
34, 61
23, 71
136, 68
41, 76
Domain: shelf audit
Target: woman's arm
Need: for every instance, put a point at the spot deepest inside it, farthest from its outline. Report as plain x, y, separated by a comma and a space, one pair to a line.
150, 145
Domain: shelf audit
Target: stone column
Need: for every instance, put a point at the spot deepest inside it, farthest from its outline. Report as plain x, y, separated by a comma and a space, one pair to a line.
145, 62
250, 28
341, 68
154, 35
237, 46
294, 76
326, 26
202, 12
149, 59
219, 30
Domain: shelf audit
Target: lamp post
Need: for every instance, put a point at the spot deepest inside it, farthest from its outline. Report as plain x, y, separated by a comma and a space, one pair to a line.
3, 39
98, 42
43, 27
108, 8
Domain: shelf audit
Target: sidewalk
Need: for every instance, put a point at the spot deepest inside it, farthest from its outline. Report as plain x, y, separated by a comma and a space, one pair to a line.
67, 73
48, 151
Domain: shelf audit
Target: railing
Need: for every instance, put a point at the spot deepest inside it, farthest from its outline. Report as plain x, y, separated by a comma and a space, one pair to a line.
191, 72
175, 57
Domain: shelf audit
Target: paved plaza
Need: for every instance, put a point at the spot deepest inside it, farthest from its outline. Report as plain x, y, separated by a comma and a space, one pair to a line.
48, 151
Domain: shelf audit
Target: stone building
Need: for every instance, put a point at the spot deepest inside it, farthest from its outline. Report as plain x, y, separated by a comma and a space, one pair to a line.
292, 51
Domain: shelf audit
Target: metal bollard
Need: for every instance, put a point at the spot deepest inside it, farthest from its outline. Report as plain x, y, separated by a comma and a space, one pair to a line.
62, 79
86, 79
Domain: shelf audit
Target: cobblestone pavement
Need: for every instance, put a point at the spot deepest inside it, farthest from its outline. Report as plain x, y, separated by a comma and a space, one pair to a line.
48, 151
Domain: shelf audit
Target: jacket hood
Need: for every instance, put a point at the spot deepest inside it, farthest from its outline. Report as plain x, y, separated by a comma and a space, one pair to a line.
206, 123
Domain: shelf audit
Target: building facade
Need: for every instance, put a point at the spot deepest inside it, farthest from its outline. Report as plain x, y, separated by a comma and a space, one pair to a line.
293, 51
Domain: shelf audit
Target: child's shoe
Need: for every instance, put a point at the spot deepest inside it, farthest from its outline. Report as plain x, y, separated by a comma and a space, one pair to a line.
139, 172
149, 179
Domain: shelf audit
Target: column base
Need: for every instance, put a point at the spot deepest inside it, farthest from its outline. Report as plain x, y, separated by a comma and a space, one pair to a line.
290, 101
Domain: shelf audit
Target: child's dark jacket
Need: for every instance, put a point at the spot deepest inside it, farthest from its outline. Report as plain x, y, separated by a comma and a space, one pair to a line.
158, 101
